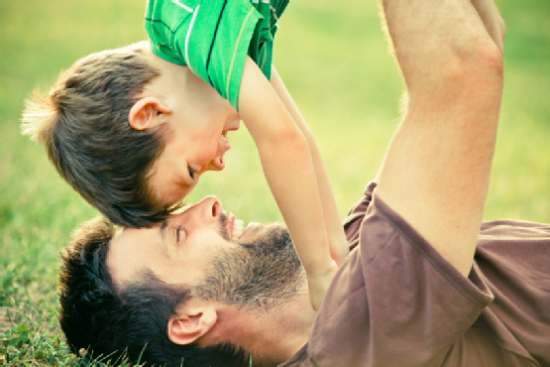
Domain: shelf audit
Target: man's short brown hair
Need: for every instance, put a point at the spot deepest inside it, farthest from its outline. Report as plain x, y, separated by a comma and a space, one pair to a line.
83, 122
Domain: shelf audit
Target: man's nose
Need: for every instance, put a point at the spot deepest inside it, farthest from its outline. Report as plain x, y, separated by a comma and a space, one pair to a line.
208, 209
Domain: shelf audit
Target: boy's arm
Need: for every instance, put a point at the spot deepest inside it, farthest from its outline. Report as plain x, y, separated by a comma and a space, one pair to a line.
290, 173
338, 244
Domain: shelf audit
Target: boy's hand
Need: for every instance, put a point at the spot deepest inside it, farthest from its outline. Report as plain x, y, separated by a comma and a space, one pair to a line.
339, 250
318, 284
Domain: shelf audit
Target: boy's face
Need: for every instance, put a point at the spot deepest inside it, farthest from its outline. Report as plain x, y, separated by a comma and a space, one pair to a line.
198, 124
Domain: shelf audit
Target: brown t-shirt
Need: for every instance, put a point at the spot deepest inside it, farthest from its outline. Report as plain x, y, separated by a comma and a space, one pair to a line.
397, 302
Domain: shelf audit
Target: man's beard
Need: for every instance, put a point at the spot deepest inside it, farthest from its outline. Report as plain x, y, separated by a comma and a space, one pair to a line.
261, 273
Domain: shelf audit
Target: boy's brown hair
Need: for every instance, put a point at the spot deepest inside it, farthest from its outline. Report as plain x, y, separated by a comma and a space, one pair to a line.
83, 123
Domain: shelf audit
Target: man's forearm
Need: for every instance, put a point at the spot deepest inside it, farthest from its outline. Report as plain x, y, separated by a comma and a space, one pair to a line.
437, 167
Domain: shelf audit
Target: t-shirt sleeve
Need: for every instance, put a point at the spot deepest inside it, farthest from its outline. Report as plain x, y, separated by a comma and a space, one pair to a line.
352, 222
212, 38
395, 302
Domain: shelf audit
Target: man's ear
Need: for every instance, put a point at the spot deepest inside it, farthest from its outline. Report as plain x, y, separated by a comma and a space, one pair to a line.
146, 113
190, 324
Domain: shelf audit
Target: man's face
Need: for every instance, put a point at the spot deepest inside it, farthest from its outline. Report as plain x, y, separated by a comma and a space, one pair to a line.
198, 125
203, 249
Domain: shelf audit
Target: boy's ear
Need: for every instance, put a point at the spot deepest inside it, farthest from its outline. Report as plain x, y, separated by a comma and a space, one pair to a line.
191, 323
147, 113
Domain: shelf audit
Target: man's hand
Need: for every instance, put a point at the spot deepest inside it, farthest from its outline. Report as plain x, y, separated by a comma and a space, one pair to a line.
492, 20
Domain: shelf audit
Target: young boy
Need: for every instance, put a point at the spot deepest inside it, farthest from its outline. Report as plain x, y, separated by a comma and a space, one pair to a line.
84, 120
133, 129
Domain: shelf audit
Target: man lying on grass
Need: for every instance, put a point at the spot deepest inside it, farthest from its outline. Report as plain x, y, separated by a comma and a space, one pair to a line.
427, 283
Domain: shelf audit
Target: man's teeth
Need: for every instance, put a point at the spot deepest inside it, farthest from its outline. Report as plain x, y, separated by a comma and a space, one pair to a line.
237, 228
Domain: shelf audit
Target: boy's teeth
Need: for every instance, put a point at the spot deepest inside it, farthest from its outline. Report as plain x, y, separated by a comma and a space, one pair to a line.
237, 228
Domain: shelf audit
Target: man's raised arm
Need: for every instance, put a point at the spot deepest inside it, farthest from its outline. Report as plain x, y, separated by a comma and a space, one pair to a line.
437, 167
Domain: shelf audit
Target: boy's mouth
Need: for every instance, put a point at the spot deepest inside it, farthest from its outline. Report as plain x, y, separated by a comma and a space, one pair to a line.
232, 123
224, 142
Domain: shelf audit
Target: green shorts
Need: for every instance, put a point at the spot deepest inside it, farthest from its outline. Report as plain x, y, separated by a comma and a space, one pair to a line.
213, 37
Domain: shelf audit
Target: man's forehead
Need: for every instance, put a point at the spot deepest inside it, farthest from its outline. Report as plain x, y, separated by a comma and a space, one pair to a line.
149, 239
129, 251
134, 252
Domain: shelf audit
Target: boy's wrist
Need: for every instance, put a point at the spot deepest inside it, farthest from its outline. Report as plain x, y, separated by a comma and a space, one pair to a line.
339, 250
318, 284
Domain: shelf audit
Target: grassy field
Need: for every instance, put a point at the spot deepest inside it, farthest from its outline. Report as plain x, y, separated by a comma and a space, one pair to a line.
335, 63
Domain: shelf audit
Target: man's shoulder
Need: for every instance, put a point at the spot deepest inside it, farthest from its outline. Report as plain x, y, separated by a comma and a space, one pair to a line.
352, 222
521, 229
300, 359
393, 271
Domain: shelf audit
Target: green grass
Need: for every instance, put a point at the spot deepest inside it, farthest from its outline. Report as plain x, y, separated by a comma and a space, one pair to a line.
335, 63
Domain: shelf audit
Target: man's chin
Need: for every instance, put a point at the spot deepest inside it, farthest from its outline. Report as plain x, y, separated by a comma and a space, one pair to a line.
263, 270
255, 230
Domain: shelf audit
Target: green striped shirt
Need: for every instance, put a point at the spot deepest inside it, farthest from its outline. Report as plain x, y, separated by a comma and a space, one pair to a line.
213, 37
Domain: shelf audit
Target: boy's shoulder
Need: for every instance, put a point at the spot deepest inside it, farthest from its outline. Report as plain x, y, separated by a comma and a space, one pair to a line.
212, 38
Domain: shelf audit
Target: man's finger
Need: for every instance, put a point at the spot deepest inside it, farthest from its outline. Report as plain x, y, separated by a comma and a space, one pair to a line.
492, 20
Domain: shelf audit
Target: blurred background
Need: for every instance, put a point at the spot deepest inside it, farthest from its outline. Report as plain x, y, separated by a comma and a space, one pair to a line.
335, 62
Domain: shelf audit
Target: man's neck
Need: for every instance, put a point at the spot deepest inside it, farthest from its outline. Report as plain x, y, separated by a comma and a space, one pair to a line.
272, 335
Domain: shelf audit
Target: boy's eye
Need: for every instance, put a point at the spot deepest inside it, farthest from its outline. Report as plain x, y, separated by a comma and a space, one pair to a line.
191, 172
